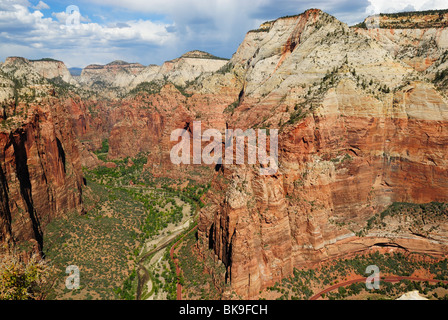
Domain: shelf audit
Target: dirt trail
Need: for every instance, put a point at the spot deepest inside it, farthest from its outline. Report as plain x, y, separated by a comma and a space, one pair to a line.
387, 279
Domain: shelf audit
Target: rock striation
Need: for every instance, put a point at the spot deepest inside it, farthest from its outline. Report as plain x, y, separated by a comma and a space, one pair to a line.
40, 174
115, 74
126, 75
359, 128
46, 68
362, 118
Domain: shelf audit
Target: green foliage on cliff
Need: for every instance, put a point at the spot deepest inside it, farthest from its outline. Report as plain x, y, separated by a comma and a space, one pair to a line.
152, 87
417, 215
46, 59
414, 13
300, 284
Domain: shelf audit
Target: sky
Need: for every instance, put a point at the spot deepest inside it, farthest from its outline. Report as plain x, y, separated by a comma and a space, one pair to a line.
153, 31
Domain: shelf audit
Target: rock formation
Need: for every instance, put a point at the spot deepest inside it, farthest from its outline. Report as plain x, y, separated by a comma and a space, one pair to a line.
362, 118
359, 130
179, 71
116, 74
40, 167
47, 68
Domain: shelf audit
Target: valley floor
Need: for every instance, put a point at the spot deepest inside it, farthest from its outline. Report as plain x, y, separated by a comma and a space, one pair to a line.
131, 217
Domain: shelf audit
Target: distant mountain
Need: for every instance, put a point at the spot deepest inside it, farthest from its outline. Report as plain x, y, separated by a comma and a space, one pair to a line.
75, 71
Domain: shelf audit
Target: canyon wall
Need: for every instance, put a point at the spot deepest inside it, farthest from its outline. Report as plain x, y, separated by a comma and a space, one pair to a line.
362, 118
40, 167
359, 130
40, 174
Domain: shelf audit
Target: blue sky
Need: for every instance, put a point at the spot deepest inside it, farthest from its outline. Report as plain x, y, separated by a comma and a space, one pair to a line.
153, 31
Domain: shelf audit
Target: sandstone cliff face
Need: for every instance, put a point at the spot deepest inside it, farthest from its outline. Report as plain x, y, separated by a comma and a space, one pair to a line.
144, 124
115, 74
179, 71
45, 68
410, 20
40, 172
359, 130
40, 168
420, 48
21, 70
182, 70
362, 118
51, 69
418, 39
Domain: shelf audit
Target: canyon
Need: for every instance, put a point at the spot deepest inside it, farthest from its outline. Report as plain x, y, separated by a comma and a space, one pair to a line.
362, 117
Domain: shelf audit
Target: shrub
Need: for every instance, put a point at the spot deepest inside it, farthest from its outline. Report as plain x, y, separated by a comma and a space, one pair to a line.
21, 280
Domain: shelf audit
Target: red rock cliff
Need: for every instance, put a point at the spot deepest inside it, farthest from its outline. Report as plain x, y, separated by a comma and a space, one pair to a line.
357, 133
40, 173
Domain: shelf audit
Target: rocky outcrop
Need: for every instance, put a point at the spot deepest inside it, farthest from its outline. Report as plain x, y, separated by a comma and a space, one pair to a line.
40, 172
359, 130
182, 70
46, 68
179, 71
408, 20
419, 47
116, 74
51, 69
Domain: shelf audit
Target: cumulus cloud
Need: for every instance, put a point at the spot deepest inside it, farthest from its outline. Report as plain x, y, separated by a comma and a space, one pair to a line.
8, 5
25, 28
160, 30
41, 6
204, 19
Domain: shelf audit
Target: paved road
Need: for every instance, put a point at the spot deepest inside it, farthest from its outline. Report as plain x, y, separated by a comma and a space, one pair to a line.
387, 279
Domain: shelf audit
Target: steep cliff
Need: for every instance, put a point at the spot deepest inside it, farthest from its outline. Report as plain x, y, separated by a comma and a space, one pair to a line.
40, 173
126, 75
46, 68
359, 130
51, 69
116, 74
417, 38
40, 169
362, 117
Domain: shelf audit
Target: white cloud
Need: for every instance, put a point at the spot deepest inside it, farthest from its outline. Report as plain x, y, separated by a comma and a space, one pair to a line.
7, 5
50, 37
199, 19
197, 24
41, 6
62, 16
217, 26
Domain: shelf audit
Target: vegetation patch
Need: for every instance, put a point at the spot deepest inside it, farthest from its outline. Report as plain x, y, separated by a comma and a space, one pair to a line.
306, 282
126, 207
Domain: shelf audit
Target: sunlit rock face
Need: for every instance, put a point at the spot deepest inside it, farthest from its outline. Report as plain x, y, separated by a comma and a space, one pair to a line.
360, 129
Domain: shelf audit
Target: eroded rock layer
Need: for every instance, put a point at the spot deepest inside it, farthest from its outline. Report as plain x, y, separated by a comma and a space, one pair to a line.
359, 130
362, 118
40, 174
